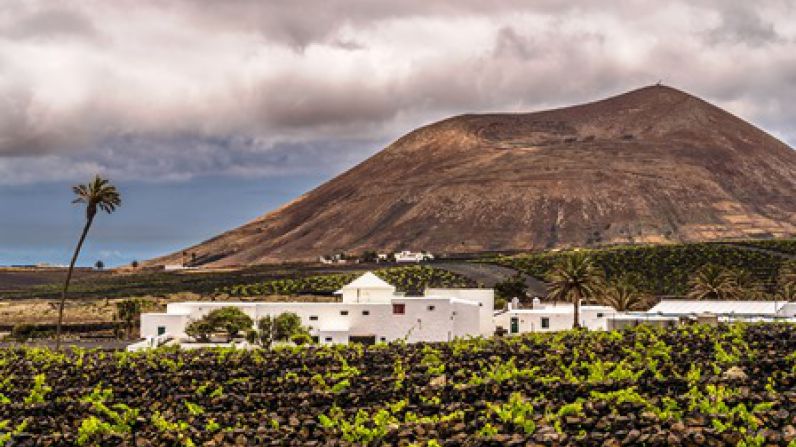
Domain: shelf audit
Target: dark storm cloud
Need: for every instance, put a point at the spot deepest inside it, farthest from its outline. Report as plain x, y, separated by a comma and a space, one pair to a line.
168, 91
742, 23
46, 24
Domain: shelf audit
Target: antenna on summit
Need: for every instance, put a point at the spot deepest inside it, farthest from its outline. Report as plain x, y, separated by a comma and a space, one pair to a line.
658, 83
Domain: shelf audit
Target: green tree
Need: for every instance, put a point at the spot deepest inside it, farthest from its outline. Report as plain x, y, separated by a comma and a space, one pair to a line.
231, 319
786, 292
99, 194
574, 278
712, 282
623, 296
228, 319
129, 311
787, 273
286, 325
200, 329
99, 265
746, 285
512, 287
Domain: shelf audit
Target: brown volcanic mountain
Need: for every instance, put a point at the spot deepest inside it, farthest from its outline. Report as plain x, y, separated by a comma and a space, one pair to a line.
651, 165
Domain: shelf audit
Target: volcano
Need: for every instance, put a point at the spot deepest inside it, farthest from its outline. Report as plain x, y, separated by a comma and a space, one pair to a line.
653, 165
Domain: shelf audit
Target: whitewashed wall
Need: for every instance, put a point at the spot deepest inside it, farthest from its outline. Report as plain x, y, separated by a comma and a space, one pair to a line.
418, 323
485, 298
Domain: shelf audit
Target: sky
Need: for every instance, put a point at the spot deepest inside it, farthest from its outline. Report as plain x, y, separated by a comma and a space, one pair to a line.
206, 114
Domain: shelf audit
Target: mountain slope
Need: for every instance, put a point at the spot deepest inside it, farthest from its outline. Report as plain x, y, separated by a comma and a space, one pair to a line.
651, 165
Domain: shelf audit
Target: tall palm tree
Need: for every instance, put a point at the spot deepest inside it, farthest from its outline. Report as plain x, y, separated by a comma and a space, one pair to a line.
623, 296
574, 278
712, 282
98, 194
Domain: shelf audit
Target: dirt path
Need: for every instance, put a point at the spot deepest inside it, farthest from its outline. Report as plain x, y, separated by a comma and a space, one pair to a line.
490, 274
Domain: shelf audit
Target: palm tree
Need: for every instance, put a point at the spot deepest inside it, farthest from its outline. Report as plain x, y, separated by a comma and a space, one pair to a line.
97, 194
786, 292
787, 273
574, 278
623, 296
746, 285
712, 282
128, 311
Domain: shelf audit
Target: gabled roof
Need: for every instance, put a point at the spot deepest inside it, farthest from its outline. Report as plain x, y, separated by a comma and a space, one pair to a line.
369, 281
685, 307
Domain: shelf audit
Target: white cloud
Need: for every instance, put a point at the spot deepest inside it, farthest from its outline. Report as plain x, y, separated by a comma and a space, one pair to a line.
137, 89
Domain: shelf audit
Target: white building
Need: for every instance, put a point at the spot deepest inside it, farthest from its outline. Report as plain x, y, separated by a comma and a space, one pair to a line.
548, 317
670, 312
370, 310
408, 256
724, 308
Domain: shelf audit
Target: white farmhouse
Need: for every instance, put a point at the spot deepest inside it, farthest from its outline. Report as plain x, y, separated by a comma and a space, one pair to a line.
370, 311
549, 317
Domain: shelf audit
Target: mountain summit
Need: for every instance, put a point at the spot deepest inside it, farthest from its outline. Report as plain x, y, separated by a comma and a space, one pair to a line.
649, 166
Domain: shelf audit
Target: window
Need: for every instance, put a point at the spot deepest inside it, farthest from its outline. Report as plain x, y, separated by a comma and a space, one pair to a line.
343, 312
545, 323
430, 308
515, 325
399, 309
365, 312
313, 318
382, 338
161, 330
599, 314
328, 339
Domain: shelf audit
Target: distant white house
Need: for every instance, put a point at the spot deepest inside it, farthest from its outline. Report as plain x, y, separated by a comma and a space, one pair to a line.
409, 256
338, 258
177, 267
370, 310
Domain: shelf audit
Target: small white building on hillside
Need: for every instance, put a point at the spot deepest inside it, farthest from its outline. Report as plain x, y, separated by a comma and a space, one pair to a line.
548, 317
370, 310
408, 256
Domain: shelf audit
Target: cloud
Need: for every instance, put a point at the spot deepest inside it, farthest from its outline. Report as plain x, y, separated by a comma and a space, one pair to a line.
169, 91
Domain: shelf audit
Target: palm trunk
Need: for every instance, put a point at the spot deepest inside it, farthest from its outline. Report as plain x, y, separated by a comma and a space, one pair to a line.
576, 311
68, 279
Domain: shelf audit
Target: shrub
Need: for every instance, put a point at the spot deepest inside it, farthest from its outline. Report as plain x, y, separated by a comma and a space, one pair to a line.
302, 338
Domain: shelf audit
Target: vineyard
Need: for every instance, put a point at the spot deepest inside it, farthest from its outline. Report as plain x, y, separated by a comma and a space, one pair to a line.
260, 280
661, 269
695, 385
786, 246
413, 278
